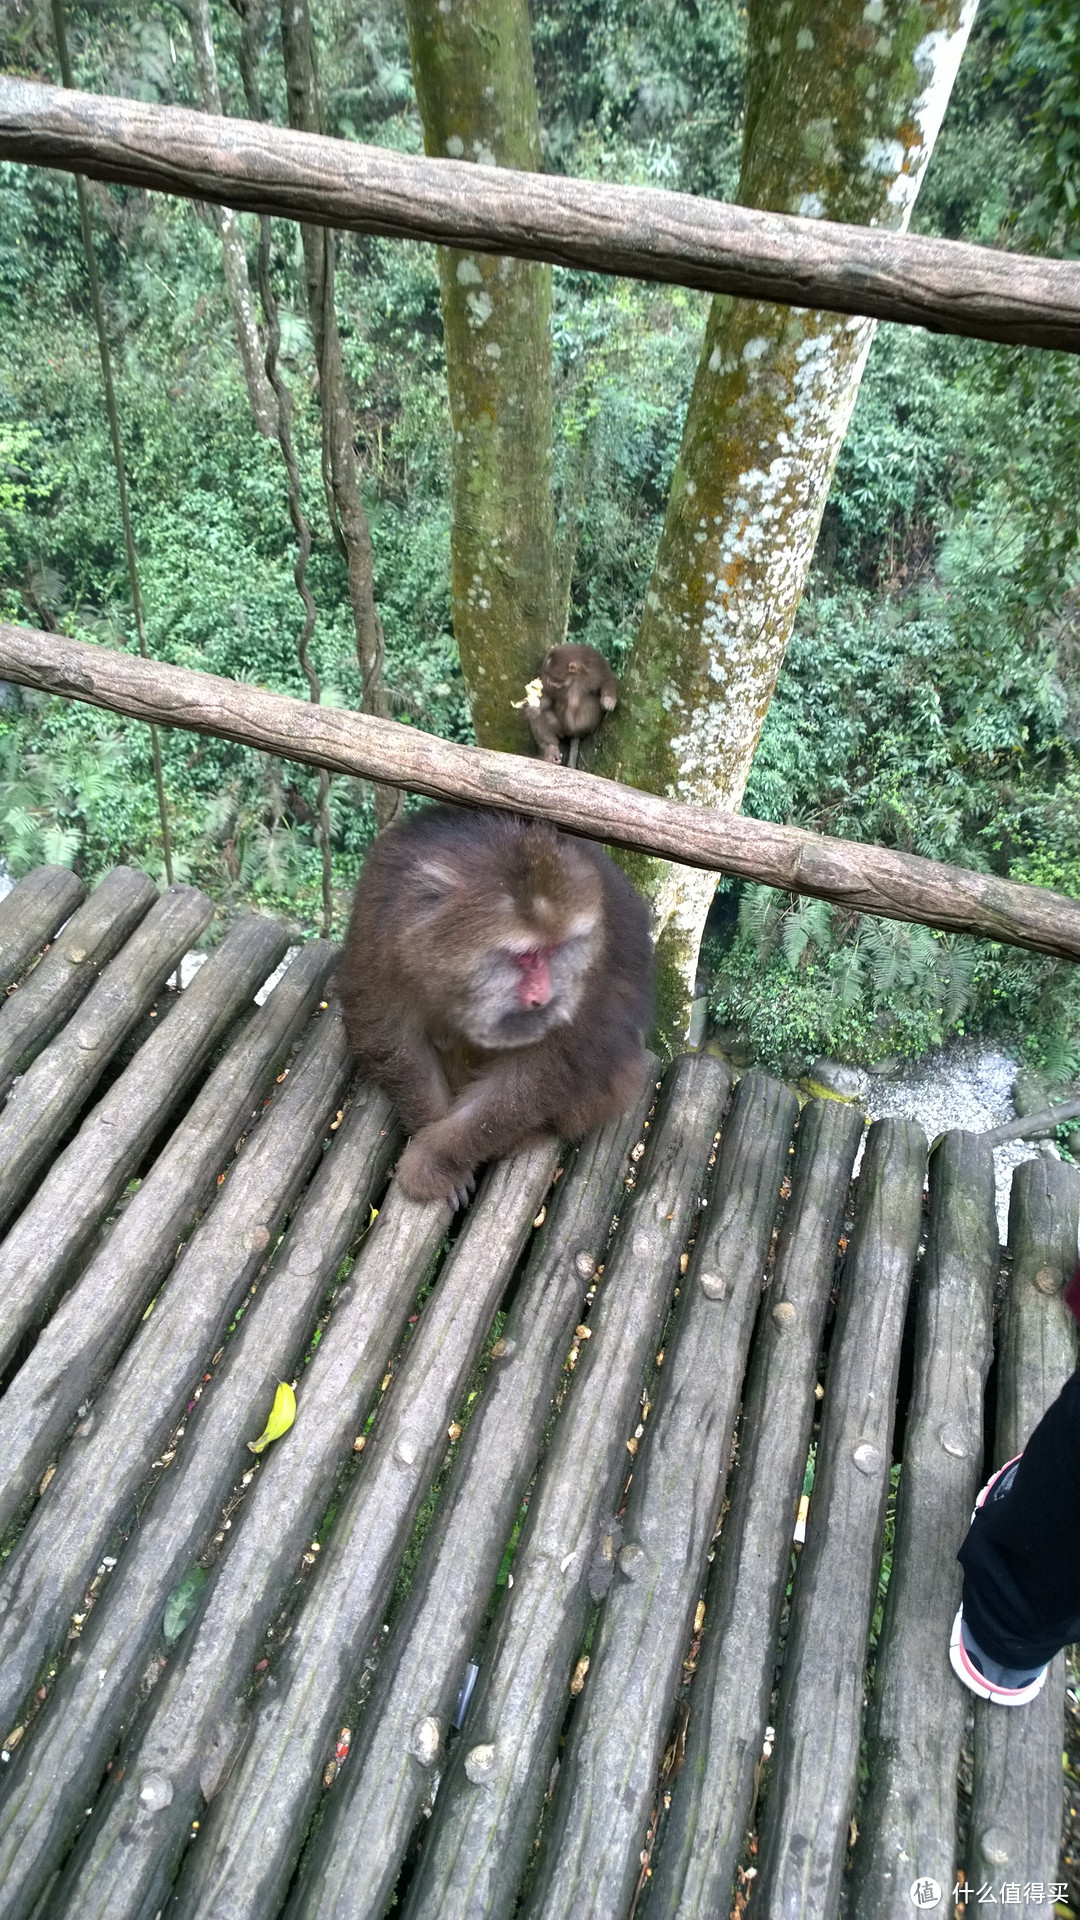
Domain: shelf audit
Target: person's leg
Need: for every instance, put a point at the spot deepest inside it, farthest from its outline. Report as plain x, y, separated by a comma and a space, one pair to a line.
1021, 1559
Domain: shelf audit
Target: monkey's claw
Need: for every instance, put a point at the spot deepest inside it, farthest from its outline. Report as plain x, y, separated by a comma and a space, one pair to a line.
426, 1174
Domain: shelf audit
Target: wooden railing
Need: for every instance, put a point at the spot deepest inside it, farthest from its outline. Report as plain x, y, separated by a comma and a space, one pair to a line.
871, 879
643, 232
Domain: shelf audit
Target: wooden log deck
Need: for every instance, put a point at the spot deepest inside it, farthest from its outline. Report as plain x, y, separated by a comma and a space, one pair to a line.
466, 1637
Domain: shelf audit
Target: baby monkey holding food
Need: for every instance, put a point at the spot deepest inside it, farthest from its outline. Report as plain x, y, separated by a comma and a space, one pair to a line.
576, 687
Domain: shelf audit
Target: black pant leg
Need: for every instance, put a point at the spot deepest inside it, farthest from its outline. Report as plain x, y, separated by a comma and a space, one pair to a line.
1021, 1557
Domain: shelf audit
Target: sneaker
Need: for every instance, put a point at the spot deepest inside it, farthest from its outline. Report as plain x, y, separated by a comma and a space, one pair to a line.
1004, 1686
998, 1484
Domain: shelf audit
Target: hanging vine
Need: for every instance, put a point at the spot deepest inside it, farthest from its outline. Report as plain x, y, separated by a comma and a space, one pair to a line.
114, 433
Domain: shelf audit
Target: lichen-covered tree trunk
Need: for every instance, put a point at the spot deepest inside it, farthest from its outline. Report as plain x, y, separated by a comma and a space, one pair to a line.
340, 470
472, 63
233, 255
844, 104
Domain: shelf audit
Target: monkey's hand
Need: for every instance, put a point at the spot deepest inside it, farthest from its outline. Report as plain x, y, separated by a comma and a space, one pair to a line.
428, 1171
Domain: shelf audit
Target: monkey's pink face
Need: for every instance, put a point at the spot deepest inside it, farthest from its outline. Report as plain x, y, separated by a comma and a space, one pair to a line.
500, 945
517, 994
534, 976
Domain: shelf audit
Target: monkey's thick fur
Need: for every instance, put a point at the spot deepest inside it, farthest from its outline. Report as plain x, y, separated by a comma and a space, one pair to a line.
496, 981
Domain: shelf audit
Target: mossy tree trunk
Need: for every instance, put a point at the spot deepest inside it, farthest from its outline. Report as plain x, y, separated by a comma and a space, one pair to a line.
844, 104
472, 64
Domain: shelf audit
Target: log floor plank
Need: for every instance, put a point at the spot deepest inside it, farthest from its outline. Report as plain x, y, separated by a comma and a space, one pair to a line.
87, 1332
729, 1703
408, 1719
114, 1446
481, 1835
815, 1765
31, 914
58, 1769
54, 1090
907, 1825
255, 1830
30, 1017
1016, 1805
610, 1760
132, 1855
92, 1172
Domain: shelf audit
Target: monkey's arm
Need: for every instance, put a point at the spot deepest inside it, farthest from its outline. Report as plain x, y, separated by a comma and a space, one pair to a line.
407, 1067
606, 685
494, 1116
508, 1108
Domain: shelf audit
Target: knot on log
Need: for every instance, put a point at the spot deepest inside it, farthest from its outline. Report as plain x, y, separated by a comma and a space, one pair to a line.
584, 1265
996, 1846
424, 1744
867, 1458
480, 1763
714, 1287
954, 1440
784, 1313
156, 1792
632, 1560
1047, 1281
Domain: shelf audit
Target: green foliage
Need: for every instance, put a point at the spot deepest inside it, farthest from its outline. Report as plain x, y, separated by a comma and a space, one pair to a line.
930, 697
1037, 64
645, 90
802, 978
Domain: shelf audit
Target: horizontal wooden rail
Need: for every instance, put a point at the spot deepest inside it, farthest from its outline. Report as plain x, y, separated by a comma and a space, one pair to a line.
900, 886
642, 232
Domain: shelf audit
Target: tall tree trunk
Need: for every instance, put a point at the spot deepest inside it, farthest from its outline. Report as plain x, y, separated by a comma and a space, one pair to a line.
844, 104
234, 257
340, 472
472, 63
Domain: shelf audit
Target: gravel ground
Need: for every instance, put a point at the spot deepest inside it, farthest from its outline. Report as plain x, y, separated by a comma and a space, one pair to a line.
965, 1084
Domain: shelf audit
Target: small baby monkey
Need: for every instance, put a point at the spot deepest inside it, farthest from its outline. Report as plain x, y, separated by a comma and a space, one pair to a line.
496, 982
577, 689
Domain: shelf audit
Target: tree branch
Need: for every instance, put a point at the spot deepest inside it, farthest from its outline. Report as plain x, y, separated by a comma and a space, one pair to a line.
946, 285
868, 879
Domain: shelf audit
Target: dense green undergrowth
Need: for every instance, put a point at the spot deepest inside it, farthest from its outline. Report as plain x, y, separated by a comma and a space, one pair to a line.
930, 698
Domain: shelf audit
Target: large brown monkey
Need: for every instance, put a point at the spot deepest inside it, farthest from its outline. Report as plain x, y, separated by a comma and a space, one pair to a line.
578, 688
496, 981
